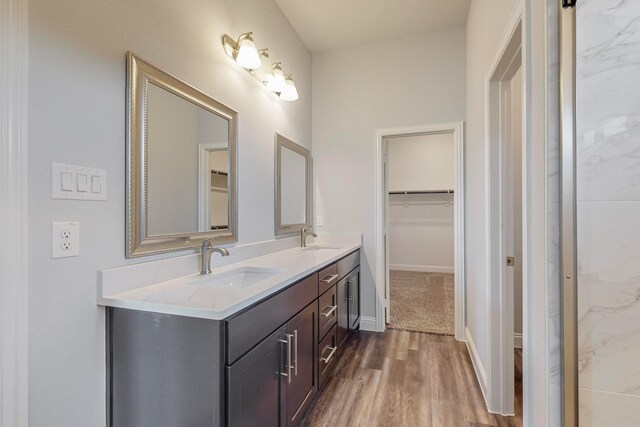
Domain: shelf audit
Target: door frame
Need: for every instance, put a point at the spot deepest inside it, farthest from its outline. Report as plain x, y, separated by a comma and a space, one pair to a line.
204, 182
13, 214
500, 369
382, 301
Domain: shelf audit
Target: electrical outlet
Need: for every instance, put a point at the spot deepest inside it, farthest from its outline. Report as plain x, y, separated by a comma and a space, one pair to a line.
319, 222
65, 239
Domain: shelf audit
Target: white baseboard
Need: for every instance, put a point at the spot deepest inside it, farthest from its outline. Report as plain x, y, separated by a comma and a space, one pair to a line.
517, 340
368, 324
477, 364
422, 268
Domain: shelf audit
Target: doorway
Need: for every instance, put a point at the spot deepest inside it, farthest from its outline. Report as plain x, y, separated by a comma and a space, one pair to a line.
453, 196
420, 183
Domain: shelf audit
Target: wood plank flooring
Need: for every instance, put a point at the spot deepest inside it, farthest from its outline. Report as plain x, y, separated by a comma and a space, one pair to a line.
399, 378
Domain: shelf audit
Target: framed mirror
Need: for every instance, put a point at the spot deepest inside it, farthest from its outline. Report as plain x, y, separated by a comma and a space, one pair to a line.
293, 187
181, 164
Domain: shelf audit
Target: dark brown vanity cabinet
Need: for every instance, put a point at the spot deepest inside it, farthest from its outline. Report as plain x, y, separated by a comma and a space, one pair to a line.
262, 366
302, 361
274, 383
256, 385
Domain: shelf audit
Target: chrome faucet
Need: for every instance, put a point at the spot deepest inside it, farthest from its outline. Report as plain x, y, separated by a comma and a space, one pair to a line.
306, 231
207, 250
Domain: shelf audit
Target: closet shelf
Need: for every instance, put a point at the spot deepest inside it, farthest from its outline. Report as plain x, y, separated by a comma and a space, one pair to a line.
422, 192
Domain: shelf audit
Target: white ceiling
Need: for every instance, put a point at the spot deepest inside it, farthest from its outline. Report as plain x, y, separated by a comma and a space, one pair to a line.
330, 24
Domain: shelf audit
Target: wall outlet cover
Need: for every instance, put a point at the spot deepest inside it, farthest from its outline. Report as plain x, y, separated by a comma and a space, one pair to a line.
65, 239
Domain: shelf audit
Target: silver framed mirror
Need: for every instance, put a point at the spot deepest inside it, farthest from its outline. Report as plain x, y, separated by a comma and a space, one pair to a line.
293, 179
181, 164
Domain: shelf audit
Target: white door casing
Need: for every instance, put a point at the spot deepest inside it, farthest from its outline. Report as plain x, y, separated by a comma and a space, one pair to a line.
13, 213
382, 199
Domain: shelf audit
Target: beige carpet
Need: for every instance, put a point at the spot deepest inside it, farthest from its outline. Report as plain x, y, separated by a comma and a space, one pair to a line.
422, 302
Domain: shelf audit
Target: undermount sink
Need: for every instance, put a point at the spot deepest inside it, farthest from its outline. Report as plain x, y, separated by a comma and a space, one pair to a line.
320, 248
238, 278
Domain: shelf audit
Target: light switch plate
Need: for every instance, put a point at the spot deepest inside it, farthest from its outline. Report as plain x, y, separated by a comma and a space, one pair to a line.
70, 182
65, 239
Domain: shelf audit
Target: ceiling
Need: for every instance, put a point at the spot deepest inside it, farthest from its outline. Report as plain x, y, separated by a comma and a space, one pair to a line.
330, 24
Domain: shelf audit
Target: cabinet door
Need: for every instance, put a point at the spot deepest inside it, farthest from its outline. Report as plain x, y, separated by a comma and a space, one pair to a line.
255, 384
354, 299
302, 383
343, 311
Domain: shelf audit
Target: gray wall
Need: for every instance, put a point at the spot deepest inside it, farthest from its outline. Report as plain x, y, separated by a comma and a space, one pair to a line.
76, 111
414, 80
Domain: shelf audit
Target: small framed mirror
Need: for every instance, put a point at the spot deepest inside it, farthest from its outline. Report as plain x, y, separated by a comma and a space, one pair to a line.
181, 165
293, 187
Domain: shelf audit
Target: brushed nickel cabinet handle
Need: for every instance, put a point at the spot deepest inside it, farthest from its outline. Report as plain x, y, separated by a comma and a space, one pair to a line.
288, 365
295, 348
329, 313
329, 279
327, 359
349, 292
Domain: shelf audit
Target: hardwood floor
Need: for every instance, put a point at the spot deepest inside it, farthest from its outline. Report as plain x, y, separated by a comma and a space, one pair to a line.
399, 378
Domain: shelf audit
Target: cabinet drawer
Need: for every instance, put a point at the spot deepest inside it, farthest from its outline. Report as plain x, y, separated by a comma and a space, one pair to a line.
328, 277
328, 355
328, 309
249, 327
348, 263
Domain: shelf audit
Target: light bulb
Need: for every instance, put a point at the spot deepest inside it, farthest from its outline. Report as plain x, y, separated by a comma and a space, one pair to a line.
290, 93
277, 83
247, 55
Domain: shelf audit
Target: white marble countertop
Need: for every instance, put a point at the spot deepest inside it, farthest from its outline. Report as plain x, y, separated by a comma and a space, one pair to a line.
180, 297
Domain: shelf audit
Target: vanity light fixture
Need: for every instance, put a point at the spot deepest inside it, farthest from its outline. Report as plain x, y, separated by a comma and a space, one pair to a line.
243, 51
257, 62
290, 93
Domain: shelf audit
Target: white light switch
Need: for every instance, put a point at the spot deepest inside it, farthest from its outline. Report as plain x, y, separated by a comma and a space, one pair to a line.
83, 182
78, 182
96, 183
66, 181
65, 239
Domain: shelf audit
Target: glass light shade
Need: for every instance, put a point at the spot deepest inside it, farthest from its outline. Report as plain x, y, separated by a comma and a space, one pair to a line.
247, 55
277, 83
290, 93
265, 72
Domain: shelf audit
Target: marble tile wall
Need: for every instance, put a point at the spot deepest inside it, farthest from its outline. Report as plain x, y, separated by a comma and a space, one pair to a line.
608, 179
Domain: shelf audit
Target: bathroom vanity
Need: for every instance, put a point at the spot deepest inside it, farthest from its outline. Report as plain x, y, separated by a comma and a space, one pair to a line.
250, 342
262, 362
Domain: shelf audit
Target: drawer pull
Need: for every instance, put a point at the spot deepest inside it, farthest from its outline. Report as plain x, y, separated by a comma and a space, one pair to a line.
288, 366
329, 279
330, 312
327, 359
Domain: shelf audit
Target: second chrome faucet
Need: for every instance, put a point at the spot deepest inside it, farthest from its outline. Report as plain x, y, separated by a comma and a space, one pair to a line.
306, 231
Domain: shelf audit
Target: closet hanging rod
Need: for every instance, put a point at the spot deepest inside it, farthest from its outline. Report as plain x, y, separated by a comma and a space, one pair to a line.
422, 192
